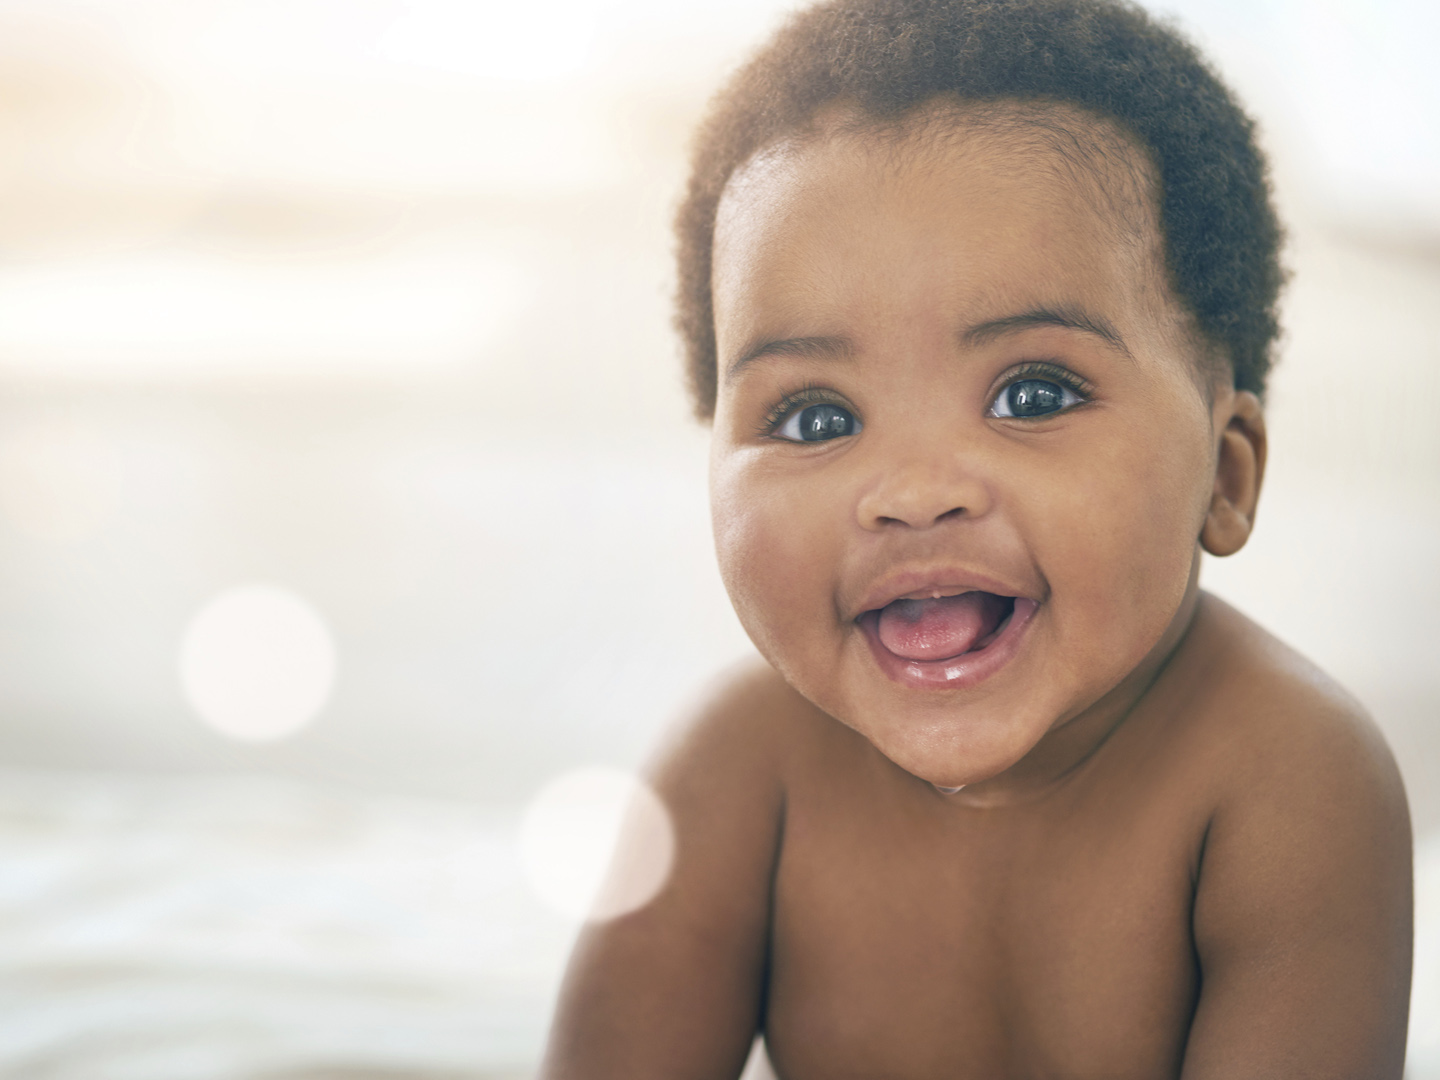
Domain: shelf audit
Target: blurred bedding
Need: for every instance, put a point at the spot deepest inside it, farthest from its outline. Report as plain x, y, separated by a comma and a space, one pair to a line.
209, 928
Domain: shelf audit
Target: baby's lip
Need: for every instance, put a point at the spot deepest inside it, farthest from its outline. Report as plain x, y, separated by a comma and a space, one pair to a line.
924, 584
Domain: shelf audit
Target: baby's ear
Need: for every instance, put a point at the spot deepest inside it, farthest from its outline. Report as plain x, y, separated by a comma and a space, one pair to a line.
1239, 469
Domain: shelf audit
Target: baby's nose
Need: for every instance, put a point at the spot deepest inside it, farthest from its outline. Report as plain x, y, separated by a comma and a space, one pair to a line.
921, 491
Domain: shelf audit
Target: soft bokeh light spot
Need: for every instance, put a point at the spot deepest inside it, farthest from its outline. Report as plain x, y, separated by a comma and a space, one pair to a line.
58, 479
257, 663
524, 42
596, 843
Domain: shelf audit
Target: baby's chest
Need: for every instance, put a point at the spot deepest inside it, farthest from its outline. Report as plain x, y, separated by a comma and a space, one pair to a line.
1020, 947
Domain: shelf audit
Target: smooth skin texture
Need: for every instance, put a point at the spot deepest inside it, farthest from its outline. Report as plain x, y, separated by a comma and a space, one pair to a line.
1178, 850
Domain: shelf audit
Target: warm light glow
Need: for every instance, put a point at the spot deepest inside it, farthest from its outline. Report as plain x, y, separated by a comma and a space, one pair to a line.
525, 42
194, 315
596, 843
257, 663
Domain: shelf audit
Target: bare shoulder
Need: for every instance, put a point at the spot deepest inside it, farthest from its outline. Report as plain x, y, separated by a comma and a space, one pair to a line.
1298, 775
748, 725
1275, 720
1302, 908
675, 989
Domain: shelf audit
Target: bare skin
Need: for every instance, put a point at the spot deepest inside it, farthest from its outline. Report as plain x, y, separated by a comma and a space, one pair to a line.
1176, 849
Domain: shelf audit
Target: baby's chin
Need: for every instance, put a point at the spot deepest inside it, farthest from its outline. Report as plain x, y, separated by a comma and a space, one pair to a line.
969, 746
947, 738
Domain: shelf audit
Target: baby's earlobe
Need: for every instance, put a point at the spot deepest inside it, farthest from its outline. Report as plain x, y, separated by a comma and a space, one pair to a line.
1239, 471
1225, 530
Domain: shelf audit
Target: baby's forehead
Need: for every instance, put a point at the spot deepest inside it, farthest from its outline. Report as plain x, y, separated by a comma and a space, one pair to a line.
1012, 205
1073, 170
1058, 150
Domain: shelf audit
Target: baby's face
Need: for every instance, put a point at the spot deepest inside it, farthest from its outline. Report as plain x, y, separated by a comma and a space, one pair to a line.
960, 458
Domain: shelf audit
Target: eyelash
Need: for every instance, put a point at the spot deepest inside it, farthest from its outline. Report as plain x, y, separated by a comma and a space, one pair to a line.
795, 400
1041, 369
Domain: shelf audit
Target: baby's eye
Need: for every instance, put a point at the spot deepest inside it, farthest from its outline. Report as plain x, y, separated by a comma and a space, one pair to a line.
1033, 397
816, 423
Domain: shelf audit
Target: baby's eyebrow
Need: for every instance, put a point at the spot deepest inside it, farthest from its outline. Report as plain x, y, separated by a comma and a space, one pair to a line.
830, 348
1068, 317
840, 348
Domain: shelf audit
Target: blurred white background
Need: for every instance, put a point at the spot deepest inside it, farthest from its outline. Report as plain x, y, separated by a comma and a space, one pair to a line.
349, 499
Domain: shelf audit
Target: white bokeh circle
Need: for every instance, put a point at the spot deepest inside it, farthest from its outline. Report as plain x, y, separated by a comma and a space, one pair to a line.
257, 662
596, 843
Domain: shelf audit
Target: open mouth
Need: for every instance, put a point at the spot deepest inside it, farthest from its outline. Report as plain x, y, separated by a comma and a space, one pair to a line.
946, 640
942, 627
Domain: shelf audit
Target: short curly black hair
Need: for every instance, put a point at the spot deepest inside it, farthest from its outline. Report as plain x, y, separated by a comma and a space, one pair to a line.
1108, 57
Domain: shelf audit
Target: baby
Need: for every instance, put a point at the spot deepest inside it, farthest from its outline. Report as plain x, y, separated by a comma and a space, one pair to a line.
980, 296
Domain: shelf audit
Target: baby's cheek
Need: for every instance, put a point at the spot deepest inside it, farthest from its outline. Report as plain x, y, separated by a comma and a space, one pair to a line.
1120, 569
773, 560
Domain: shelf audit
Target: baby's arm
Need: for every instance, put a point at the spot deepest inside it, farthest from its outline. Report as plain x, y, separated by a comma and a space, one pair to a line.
675, 989
1302, 914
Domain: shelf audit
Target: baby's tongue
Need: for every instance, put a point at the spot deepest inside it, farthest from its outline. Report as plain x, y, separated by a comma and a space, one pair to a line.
940, 628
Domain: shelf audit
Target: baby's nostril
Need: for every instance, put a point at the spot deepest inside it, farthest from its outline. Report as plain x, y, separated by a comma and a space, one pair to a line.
954, 512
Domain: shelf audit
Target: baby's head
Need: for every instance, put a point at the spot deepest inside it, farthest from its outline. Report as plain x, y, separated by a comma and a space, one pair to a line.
980, 296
